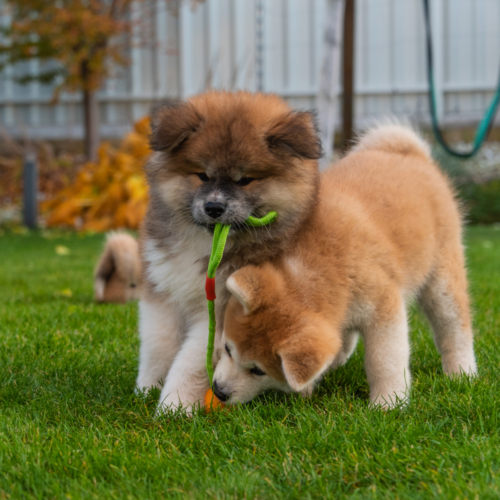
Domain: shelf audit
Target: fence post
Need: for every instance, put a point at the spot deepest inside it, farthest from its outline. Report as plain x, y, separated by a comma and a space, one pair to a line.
30, 194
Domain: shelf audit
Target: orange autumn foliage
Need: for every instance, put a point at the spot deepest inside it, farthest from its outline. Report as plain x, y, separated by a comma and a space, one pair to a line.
82, 36
109, 194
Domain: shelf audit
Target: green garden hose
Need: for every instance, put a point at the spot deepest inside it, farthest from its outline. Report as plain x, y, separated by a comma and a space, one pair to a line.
487, 121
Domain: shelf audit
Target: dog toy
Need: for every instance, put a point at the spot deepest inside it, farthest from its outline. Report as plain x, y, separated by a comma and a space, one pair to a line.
219, 242
212, 402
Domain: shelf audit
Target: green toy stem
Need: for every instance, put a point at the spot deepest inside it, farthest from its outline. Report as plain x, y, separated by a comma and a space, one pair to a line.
264, 221
218, 244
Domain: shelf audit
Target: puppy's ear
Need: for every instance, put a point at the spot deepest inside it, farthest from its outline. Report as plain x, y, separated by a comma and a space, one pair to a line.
305, 356
253, 286
246, 287
296, 134
172, 124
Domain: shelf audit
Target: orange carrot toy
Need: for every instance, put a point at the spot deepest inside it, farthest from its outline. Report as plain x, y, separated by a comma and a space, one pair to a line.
212, 402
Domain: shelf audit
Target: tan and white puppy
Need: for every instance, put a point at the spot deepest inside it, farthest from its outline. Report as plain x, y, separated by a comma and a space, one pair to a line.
386, 229
218, 157
117, 275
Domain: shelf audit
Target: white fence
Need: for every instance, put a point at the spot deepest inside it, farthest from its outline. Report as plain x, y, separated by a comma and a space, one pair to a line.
183, 51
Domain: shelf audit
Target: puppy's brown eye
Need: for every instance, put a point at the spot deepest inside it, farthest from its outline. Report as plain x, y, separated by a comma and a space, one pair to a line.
257, 371
228, 351
245, 181
203, 177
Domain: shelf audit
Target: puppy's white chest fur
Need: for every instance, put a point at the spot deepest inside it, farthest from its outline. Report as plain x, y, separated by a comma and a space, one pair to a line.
178, 270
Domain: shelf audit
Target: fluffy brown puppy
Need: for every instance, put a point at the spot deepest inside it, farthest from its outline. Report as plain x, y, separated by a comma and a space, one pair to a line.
386, 230
219, 157
117, 274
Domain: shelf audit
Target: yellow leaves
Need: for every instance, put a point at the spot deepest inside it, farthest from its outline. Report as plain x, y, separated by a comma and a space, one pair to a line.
143, 127
136, 188
109, 194
126, 162
134, 145
99, 225
64, 214
62, 250
121, 219
84, 177
116, 194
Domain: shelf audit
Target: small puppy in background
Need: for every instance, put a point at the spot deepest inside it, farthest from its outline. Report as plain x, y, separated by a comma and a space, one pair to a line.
387, 229
218, 157
118, 272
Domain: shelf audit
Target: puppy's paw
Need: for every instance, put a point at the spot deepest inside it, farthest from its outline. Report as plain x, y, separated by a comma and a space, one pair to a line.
179, 403
460, 360
390, 401
178, 406
143, 390
307, 392
463, 367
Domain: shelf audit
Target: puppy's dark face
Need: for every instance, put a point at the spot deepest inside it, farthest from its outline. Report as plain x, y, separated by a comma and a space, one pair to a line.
221, 157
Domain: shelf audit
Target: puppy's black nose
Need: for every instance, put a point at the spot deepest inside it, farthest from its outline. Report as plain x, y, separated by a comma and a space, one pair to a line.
214, 209
220, 395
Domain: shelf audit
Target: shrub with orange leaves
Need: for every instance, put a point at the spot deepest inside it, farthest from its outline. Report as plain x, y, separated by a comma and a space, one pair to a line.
109, 194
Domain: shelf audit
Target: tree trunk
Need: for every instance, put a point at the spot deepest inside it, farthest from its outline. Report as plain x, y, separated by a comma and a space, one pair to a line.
348, 75
91, 124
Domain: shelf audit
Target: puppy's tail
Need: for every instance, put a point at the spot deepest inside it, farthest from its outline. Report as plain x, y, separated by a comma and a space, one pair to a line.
394, 138
117, 274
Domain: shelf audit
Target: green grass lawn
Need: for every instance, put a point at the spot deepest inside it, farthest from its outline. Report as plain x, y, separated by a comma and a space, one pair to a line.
71, 427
